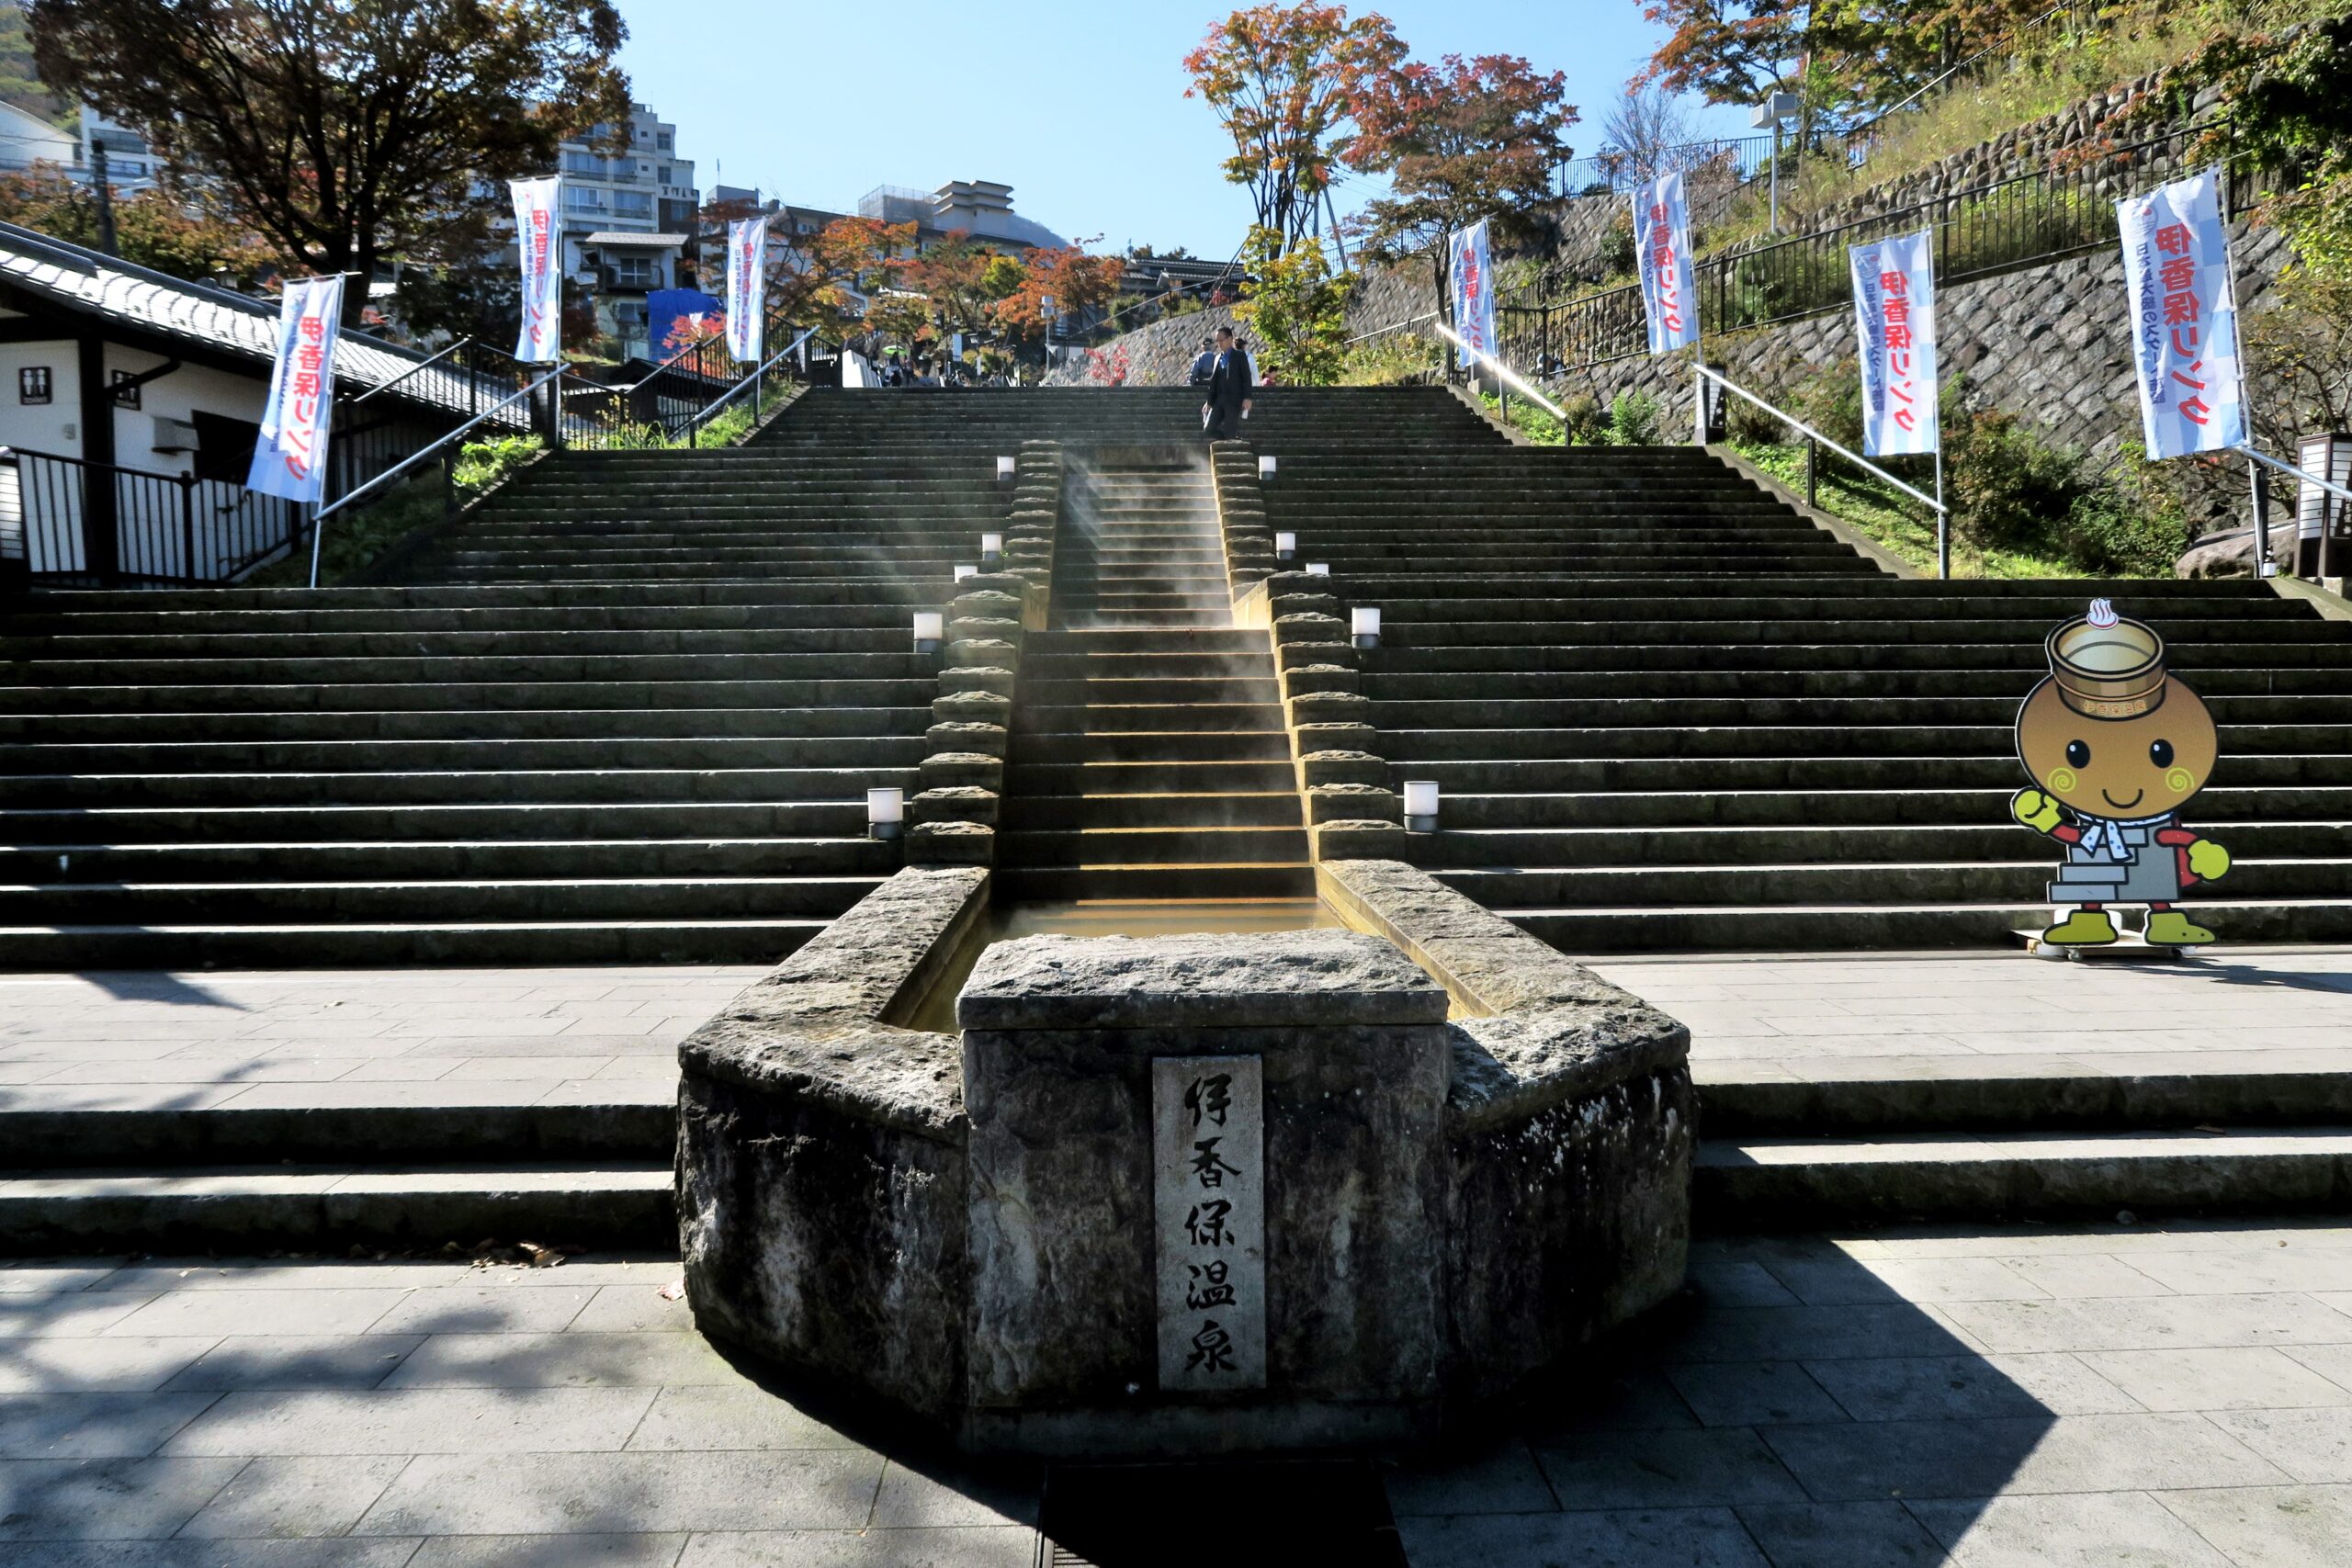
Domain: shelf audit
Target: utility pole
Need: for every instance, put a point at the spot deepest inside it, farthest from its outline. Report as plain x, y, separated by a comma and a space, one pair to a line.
101, 186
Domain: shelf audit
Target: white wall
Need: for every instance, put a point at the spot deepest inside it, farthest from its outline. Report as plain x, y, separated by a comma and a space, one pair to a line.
184, 391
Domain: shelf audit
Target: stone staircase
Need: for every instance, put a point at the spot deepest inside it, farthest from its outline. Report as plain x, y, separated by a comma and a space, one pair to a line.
1668, 712
1148, 758
629, 711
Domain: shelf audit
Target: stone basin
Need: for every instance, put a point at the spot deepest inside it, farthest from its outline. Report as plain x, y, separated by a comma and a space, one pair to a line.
1441, 1158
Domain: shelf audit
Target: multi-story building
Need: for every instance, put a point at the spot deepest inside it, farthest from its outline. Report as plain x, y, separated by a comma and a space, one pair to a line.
628, 221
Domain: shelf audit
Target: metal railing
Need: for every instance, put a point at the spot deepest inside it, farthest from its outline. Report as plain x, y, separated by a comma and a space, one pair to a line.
667, 405
2258, 461
1503, 374
2024, 220
1705, 425
445, 449
99, 525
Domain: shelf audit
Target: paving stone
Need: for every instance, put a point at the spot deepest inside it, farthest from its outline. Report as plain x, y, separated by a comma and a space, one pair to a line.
117, 1499
94, 1364
2015, 1455
531, 1494
1841, 1535
190, 1553
2243, 1377
1505, 1480
1664, 1537
1666, 1469
2270, 1527
1001, 1547
38, 1277
279, 1497
76, 1313
502, 1308
545, 1361
1754, 1394
2307, 1444
93, 1426
297, 1361
911, 1498
263, 1312
2094, 1531
418, 1421
549, 1551
2153, 1324
1937, 1388
738, 1416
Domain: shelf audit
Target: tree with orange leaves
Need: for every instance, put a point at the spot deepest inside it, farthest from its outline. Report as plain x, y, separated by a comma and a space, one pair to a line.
1460, 141
1076, 282
1286, 81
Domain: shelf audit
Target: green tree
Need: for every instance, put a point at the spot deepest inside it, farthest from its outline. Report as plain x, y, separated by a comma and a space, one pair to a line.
1299, 309
20, 81
152, 229
345, 131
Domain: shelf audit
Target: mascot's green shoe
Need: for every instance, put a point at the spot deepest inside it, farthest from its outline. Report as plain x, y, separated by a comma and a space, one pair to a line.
2170, 927
2084, 928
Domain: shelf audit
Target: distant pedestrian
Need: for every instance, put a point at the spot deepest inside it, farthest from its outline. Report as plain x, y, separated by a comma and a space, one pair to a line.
1206, 362
1231, 381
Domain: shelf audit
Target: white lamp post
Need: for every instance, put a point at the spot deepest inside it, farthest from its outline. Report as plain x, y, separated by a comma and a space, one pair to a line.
1286, 545
964, 572
1420, 805
991, 547
1003, 468
1265, 469
1363, 625
930, 630
886, 813
1319, 569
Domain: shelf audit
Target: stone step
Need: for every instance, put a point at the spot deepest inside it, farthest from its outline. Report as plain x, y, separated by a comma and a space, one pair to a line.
76, 864
1170, 841
1800, 837
287, 898
346, 943
1888, 926
1772, 1184
1763, 886
322, 1208
66, 829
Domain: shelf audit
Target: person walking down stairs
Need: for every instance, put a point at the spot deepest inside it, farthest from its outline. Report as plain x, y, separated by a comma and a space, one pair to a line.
1231, 378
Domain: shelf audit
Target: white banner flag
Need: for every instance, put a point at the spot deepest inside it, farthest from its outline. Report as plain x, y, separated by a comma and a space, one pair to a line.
2184, 318
542, 337
1474, 294
1895, 318
1662, 244
747, 267
291, 458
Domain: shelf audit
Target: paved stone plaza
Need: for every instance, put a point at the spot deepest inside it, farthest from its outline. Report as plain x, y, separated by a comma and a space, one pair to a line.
507, 1036
2175, 1396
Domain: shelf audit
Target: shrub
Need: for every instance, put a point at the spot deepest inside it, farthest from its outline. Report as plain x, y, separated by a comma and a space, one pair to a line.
2132, 524
2008, 489
1633, 419
482, 464
1587, 426
1745, 425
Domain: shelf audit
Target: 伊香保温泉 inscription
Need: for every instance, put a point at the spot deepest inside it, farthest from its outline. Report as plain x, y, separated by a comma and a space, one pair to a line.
1209, 1191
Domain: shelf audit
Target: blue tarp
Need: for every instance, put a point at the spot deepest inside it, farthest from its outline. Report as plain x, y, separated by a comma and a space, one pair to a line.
664, 306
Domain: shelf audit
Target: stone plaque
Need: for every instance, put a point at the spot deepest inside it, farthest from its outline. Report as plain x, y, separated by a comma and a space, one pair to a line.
1208, 1138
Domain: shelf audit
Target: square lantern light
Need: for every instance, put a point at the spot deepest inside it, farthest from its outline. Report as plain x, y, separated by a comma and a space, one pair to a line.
1363, 625
886, 813
1420, 805
930, 630
1266, 468
1319, 569
1286, 545
991, 547
1004, 468
964, 572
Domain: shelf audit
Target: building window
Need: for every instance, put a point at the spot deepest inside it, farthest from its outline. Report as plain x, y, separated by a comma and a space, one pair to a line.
633, 203
32, 384
662, 142
636, 272
584, 198
124, 396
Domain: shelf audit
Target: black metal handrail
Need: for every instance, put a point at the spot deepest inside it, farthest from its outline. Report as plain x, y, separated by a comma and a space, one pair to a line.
2024, 220
97, 525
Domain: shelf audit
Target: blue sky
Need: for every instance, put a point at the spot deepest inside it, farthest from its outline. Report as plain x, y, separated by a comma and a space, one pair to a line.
1079, 106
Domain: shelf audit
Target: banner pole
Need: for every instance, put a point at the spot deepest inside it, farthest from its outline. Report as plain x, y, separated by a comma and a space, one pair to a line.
315, 532
1943, 518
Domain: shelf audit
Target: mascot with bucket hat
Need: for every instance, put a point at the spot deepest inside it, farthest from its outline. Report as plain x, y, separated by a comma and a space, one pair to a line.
2116, 748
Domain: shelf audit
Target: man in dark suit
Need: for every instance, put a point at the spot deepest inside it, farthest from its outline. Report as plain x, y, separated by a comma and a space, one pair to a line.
1231, 381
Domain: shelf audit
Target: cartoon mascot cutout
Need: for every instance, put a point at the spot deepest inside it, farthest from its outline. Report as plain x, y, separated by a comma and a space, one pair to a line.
2116, 747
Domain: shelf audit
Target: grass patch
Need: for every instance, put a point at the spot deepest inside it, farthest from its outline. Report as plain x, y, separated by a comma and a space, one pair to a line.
1891, 520
356, 539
